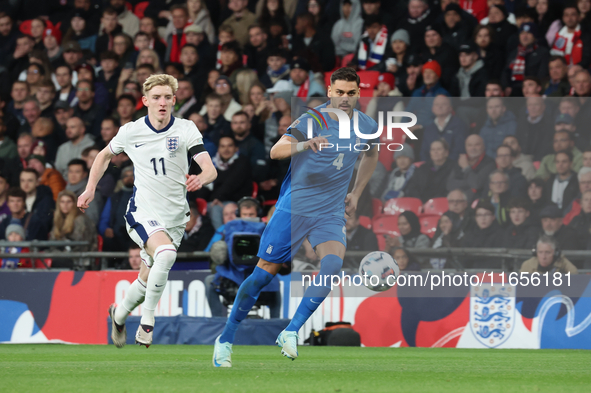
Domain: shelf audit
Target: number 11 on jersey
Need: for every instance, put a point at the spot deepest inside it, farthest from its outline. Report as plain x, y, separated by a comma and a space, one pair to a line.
153, 161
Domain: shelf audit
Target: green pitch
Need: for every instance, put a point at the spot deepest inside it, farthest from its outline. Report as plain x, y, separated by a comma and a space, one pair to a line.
176, 368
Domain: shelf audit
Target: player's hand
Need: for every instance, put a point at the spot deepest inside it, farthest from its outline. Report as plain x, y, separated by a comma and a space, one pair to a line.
351, 204
193, 183
84, 200
315, 143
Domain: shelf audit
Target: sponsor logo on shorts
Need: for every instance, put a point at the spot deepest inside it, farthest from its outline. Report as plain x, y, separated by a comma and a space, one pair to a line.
269, 249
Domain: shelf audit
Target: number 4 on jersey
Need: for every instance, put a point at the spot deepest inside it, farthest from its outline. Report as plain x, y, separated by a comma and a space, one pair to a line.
338, 162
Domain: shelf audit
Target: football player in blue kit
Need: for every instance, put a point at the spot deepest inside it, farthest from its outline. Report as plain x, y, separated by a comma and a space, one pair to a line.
312, 204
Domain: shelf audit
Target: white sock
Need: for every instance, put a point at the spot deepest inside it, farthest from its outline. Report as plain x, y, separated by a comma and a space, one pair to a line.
164, 258
134, 297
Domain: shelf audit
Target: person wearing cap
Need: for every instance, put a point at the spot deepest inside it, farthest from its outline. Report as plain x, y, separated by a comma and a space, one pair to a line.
487, 233
435, 49
552, 225
416, 18
401, 175
470, 12
422, 98
47, 176
277, 68
346, 32
569, 40
372, 46
562, 187
72, 54
62, 111
386, 96
111, 225
563, 141
501, 20
447, 126
528, 59
302, 85
195, 35
397, 55
545, 260
454, 30
52, 38
240, 19
312, 44
499, 123
430, 179
471, 79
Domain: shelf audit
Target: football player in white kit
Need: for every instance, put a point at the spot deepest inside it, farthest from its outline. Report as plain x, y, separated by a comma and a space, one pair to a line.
159, 146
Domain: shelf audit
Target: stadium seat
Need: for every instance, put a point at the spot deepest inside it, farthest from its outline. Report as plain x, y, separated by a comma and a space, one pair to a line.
128, 6
574, 211
347, 59
365, 222
368, 81
537, 165
201, 206
435, 206
140, 8
398, 205
418, 164
429, 223
376, 205
385, 224
386, 157
255, 189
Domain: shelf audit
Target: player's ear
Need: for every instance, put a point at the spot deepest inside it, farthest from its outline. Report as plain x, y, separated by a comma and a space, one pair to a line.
328, 91
145, 100
173, 100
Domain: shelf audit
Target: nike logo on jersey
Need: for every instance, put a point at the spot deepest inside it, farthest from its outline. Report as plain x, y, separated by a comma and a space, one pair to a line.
158, 286
136, 145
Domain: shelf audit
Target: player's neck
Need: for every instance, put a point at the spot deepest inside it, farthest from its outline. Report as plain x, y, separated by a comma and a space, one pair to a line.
157, 124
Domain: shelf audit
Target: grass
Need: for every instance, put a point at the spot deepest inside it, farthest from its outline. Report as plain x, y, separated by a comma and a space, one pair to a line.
161, 368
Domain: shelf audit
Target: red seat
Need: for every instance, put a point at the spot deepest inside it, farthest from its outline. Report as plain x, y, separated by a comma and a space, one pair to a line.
368, 81
99, 242
574, 211
418, 164
376, 205
429, 223
385, 224
128, 6
140, 8
347, 59
537, 165
365, 222
255, 189
398, 205
381, 243
201, 206
435, 206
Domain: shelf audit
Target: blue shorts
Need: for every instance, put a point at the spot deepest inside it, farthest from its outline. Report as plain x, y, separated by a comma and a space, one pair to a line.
286, 232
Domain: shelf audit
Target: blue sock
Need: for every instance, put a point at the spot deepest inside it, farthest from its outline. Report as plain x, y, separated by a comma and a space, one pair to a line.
247, 295
315, 294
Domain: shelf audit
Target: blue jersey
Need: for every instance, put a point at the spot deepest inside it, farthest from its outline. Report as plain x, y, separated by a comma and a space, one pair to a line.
317, 183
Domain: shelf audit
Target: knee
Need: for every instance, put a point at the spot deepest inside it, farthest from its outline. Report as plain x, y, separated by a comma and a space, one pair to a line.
269, 267
165, 256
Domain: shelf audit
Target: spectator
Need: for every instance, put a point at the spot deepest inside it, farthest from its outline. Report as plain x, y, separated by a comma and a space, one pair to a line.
534, 130
62, 112
373, 44
490, 53
228, 214
494, 89
528, 59
249, 146
504, 160
8, 150
429, 180
217, 125
31, 112
15, 200
535, 194
112, 225
79, 31
581, 223
277, 68
109, 128
457, 202
521, 161
69, 223
134, 258
109, 28
401, 175
4, 186
72, 56
470, 81
422, 98
406, 261
446, 126
13, 168
572, 107
359, 238
38, 203
126, 109
562, 142
257, 50
567, 238
47, 176
184, 98
416, 19
199, 16
410, 234
396, 59
499, 195
78, 140
442, 53
223, 88
128, 21
557, 85
346, 32
109, 74
563, 186
471, 174
198, 231
77, 180
499, 124
568, 41
240, 20
448, 234
43, 132
67, 92
300, 82
19, 60
19, 93
485, 234
502, 23
45, 95
456, 31
546, 259
177, 38
531, 87
523, 230
87, 110
8, 35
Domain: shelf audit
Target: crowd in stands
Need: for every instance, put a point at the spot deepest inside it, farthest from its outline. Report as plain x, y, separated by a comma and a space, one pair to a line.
501, 90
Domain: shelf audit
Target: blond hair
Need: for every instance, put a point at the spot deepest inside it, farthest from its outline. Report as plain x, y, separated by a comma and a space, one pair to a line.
244, 81
63, 224
160, 80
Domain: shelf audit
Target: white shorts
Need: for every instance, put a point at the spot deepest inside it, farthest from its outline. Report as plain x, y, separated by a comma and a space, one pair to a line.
141, 228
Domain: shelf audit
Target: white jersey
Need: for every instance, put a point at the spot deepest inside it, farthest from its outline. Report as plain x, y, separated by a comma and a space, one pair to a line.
160, 160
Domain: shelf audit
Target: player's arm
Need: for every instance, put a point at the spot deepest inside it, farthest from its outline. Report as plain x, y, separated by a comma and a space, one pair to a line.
367, 165
289, 145
97, 171
208, 171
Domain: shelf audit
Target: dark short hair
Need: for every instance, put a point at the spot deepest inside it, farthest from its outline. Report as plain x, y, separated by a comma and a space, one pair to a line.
511, 151
568, 134
65, 66
177, 66
533, 79
347, 74
520, 202
241, 113
148, 66
29, 170
16, 192
190, 46
555, 57
109, 55
494, 82
538, 182
232, 46
213, 96
230, 137
115, 122
78, 161
568, 154
109, 11
86, 151
443, 143
180, 7
372, 19
128, 97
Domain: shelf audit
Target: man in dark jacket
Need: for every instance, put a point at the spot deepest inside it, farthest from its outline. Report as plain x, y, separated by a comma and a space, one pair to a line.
522, 232
317, 48
529, 59
517, 182
499, 123
415, 20
112, 223
472, 77
359, 238
567, 238
485, 234
198, 231
443, 53
430, 179
563, 186
456, 31
535, 128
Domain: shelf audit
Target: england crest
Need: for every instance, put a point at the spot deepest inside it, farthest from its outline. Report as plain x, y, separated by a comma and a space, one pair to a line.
492, 313
172, 143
